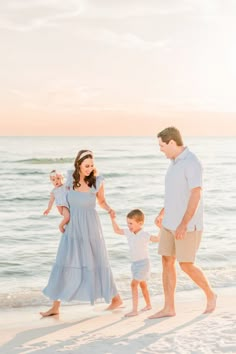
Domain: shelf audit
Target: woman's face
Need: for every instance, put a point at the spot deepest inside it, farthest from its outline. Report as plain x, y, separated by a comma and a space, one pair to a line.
86, 167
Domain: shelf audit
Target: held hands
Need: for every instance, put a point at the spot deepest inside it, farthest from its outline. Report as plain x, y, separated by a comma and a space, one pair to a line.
112, 213
158, 220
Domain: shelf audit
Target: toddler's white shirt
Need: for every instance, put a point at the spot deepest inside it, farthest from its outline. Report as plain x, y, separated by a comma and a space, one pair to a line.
138, 244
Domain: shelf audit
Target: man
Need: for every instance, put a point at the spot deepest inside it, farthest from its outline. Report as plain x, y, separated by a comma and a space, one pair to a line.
181, 220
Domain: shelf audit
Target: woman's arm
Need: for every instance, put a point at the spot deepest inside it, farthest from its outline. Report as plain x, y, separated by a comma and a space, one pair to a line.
102, 201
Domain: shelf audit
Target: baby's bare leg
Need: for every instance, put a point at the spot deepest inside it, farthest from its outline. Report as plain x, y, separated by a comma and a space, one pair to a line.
145, 292
65, 220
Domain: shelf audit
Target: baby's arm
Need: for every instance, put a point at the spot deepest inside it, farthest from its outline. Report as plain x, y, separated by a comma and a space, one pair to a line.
115, 226
50, 204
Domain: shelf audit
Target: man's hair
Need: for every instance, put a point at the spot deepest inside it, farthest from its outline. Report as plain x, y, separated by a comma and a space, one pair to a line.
171, 133
136, 214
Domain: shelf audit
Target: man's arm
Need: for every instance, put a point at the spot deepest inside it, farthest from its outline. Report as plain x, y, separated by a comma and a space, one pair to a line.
193, 202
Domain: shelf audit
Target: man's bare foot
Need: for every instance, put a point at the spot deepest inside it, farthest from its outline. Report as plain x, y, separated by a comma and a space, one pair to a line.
211, 304
116, 302
131, 314
146, 308
162, 313
51, 312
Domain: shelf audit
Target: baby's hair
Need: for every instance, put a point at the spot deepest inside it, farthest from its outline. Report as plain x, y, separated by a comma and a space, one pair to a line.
136, 214
55, 173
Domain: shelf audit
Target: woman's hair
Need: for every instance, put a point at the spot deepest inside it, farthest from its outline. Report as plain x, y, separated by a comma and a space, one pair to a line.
91, 179
136, 214
171, 133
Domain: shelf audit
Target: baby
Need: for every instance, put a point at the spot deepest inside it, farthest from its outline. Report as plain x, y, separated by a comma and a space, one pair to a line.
58, 194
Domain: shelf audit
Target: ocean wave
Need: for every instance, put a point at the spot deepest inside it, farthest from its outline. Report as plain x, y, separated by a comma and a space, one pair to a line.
25, 199
43, 160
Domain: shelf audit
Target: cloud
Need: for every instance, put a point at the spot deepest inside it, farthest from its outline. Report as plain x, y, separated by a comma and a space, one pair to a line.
27, 15
120, 40
59, 96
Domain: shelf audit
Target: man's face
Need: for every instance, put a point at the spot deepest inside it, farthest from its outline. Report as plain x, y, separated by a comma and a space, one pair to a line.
167, 149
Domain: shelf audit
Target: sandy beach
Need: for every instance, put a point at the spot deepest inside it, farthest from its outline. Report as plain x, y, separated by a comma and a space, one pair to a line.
86, 329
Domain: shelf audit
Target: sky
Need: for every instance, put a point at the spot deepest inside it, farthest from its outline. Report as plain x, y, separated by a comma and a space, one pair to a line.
127, 67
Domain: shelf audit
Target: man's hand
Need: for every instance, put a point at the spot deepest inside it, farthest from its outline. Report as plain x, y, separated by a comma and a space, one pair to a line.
159, 218
181, 231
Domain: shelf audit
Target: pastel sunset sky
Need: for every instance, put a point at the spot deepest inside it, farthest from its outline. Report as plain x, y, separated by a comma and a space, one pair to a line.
126, 67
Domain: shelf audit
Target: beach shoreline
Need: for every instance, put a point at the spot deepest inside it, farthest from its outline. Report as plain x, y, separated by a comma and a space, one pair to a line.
90, 329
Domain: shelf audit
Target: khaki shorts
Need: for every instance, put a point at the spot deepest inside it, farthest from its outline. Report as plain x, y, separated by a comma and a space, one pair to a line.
184, 250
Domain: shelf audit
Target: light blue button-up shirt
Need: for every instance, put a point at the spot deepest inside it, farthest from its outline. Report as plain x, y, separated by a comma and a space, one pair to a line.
183, 174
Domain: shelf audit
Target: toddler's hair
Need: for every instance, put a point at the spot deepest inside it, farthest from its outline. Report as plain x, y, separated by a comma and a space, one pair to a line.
55, 173
136, 214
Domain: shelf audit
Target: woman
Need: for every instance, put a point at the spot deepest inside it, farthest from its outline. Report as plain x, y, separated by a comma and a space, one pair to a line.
82, 271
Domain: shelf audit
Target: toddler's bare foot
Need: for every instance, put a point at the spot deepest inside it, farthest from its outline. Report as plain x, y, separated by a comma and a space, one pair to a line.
131, 314
116, 302
146, 308
211, 304
51, 312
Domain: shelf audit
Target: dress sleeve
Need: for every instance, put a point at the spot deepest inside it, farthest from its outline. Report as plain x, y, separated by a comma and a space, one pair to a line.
99, 182
69, 179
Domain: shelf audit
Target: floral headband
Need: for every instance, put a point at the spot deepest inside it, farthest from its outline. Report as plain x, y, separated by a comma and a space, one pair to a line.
88, 152
55, 173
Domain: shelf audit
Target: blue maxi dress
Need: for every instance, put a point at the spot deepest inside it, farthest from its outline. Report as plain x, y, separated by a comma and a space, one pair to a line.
81, 270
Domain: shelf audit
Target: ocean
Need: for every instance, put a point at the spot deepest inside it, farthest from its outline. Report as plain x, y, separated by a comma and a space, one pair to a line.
134, 171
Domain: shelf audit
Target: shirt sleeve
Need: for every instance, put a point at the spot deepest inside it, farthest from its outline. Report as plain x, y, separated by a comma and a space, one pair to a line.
126, 232
147, 236
193, 174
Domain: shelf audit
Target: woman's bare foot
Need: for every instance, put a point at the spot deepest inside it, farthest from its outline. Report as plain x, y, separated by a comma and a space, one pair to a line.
162, 313
146, 308
54, 310
51, 312
131, 314
211, 304
116, 302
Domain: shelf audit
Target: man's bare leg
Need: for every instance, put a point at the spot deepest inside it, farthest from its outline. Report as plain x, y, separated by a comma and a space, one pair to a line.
54, 310
145, 292
197, 275
115, 302
169, 284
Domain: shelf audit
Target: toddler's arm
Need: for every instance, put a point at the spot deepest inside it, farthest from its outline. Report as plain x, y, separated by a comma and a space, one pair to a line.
50, 204
115, 226
154, 238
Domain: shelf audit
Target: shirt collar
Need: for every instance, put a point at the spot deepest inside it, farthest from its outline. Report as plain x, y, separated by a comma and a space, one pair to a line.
182, 156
